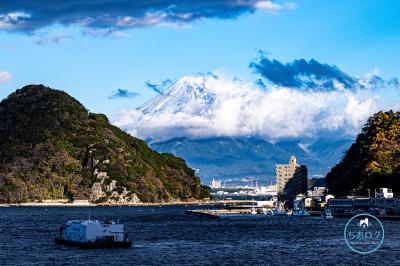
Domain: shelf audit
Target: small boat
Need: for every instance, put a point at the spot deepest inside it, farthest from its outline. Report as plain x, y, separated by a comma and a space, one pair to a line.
266, 211
300, 213
253, 211
93, 234
279, 209
327, 214
279, 212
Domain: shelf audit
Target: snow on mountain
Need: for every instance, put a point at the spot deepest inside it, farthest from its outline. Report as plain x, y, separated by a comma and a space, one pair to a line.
189, 94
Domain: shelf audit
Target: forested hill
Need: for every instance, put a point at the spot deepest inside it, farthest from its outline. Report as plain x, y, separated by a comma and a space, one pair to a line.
373, 161
51, 147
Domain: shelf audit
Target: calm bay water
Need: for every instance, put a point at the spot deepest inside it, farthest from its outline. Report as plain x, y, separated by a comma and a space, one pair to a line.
166, 236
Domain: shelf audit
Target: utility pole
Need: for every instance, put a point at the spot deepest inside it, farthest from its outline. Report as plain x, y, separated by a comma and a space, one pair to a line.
369, 193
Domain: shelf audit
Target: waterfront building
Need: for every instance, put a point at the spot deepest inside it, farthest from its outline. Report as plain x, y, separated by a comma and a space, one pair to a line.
291, 179
266, 190
319, 191
308, 202
341, 204
376, 205
267, 203
284, 172
384, 193
215, 184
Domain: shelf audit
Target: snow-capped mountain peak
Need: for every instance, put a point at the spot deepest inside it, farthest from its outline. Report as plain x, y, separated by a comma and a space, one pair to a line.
188, 91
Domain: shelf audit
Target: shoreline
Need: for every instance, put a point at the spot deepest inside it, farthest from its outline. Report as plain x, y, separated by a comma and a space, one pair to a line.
89, 204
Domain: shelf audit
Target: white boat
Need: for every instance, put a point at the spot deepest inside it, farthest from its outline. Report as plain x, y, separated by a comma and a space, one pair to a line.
300, 213
279, 209
327, 214
93, 234
279, 212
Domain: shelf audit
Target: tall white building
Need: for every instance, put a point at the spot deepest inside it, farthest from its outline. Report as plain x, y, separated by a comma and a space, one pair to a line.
284, 172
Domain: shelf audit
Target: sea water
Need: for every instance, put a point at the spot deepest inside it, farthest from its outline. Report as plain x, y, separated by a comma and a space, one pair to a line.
167, 236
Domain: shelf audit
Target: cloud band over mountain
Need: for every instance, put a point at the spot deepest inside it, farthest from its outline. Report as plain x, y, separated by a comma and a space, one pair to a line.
106, 16
312, 75
209, 106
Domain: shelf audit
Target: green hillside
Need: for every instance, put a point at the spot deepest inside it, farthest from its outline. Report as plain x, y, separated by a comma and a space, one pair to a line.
51, 147
373, 161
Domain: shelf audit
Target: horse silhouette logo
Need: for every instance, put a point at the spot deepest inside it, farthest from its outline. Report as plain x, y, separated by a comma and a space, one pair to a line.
364, 223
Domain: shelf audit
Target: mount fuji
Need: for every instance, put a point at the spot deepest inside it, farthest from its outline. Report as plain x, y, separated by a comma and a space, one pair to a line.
232, 129
188, 91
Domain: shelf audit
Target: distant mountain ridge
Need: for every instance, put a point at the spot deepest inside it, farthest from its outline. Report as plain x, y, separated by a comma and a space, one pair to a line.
223, 158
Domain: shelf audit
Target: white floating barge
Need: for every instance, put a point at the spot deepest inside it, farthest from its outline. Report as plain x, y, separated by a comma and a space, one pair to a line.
93, 234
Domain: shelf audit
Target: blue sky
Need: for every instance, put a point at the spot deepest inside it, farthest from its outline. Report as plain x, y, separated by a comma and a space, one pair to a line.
356, 36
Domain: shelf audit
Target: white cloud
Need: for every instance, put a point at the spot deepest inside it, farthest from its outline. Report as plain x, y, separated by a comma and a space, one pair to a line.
149, 19
237, 108
125, 22
5, 76
13, 20
273, 7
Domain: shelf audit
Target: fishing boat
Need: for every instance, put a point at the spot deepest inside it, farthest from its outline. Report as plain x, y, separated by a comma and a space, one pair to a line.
279, 212
300, 213
279, 209
327, 214
93, 234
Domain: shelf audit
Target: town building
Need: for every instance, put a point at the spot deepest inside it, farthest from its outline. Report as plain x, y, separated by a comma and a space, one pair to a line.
284, 172
319, 191
215, 184
382, 204
265, 190
384, 193
291, 179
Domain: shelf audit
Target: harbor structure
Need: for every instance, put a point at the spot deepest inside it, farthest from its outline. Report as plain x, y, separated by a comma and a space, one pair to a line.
382, 204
